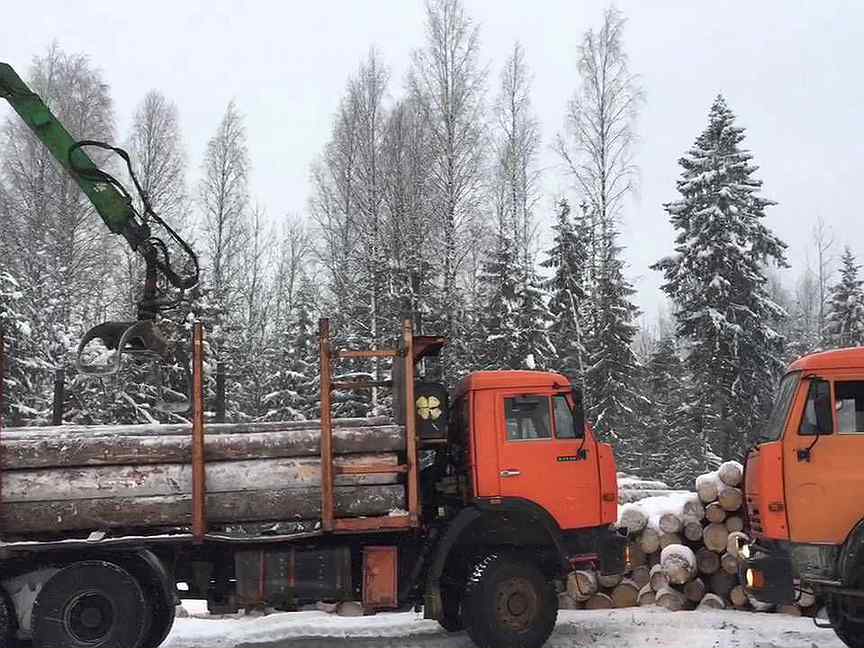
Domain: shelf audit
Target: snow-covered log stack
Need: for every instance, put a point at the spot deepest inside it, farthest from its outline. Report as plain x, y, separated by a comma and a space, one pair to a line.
93, 478
687, 543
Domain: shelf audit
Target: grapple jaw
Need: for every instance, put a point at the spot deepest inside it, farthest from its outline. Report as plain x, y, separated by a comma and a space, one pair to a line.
132, 338
141, 339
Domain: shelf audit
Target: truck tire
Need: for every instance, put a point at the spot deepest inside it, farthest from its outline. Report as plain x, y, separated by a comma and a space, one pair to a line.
509, 603
89, 604
847, 613
159, 592
8, 621
451, 613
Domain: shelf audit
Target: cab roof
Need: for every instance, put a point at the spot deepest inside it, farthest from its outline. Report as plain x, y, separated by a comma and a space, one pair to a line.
852, 358
511, 379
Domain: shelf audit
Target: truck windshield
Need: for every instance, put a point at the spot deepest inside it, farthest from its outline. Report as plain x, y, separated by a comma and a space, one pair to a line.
785, 395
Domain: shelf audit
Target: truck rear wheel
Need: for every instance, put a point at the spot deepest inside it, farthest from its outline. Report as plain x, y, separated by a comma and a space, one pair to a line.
89, 604
159, 592
509, 603
846, 614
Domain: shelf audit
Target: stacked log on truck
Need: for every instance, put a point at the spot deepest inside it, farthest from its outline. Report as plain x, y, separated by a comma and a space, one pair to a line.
683, 552
91, 478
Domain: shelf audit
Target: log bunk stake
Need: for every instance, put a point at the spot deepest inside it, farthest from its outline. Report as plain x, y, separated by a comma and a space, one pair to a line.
406, 355
199, 474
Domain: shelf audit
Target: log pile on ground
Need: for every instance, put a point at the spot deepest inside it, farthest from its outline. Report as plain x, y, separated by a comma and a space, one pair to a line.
94, 478
687, 545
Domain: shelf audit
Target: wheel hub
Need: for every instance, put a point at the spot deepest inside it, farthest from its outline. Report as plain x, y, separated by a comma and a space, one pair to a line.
516, 604
89, 617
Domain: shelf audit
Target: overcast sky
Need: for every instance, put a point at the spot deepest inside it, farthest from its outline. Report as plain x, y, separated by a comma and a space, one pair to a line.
791, 70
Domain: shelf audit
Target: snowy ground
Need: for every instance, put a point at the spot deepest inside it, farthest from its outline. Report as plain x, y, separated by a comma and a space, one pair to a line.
630, 628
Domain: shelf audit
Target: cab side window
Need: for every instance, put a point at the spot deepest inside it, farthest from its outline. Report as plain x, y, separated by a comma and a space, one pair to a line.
565, 427
817, 417
527, 418
849, 403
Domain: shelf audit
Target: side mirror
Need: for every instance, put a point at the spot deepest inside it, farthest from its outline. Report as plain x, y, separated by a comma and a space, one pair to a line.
578, 414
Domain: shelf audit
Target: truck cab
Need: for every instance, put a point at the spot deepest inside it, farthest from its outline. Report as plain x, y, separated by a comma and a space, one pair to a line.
526, 440
804, 486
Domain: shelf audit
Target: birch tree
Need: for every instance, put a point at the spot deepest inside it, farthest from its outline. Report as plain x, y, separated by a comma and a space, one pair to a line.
223, 197
448, 82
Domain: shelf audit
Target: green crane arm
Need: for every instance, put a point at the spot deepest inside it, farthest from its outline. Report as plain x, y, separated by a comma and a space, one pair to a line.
116, 208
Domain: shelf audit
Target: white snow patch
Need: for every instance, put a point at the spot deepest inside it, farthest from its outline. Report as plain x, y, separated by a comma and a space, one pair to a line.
630, 628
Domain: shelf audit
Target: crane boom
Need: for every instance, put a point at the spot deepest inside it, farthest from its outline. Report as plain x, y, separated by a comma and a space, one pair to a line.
116, 207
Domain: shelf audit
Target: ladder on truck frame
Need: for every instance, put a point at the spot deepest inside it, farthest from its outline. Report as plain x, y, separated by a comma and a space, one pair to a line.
410, 351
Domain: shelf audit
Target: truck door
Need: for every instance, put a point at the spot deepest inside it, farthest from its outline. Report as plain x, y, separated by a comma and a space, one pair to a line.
542, 458
824, 480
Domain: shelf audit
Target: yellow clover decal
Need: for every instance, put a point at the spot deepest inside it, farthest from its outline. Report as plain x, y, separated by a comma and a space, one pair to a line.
429, 408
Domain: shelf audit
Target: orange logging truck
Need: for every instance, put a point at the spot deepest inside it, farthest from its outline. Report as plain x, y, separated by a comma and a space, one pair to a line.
475, 504
805, 492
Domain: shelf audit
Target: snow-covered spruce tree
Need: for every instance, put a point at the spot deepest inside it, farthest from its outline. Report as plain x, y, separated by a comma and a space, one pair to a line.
717, 281
293, 361
500, 337
567, 258
612, 370
845, 321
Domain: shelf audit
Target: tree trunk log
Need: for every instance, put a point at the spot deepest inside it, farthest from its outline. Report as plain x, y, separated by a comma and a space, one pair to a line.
715, 537
671, 523
176, 510
633, 518
641, 576
69, 450
731, 473
695, 590
647, 596
63, 484
625, 594
734, 523
738, 596
707, 561
671, 599
608, 581
184, 429
658, 578
729, 563
679, 563
669, 539
732, 542
722, 583
693, 531
637, 556
599, 601
649, 541
582, 584
707, 490
712, 601
731, 498
715, 513
791, 610
694, 510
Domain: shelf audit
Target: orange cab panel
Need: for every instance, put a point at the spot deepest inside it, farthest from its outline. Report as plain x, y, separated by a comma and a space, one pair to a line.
542, 458
823, 474
766, 507
608, 484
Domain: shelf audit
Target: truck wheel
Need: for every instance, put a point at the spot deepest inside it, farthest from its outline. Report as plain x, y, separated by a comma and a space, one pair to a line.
509, 604
847, 614
451, 614
89, 604
8, 621
159, 593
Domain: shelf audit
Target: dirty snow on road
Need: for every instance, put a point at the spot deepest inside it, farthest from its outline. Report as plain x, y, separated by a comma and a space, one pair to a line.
629, 628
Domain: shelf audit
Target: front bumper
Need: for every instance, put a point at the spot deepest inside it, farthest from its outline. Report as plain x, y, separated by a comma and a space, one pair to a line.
766, 570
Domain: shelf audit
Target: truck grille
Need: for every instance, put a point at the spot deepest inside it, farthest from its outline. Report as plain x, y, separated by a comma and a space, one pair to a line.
753, 517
